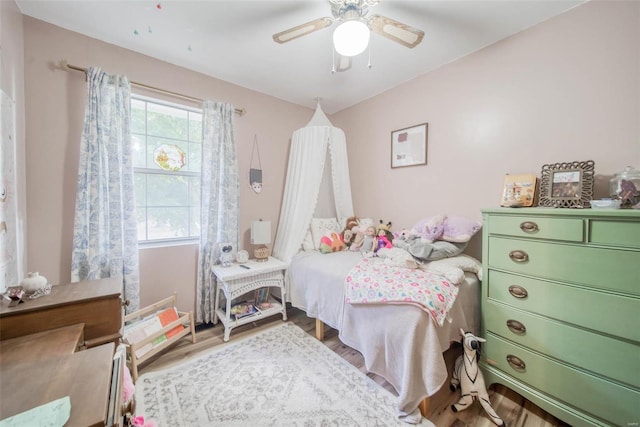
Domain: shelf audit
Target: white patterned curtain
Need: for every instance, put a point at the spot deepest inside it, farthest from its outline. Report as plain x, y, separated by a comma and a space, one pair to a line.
219, 200
105, 240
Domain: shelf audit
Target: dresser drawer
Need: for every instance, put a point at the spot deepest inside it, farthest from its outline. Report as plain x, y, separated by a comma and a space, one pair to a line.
613, 269
615, 233
606, 400
612, 314
601, 354
562, 229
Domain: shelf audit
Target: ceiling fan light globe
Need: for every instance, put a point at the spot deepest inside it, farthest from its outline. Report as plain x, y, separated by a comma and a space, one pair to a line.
351, 38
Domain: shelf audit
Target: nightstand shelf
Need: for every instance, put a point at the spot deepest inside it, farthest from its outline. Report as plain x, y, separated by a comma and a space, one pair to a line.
236, 281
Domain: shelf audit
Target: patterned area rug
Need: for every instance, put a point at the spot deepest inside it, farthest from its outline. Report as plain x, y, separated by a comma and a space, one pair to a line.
281, 376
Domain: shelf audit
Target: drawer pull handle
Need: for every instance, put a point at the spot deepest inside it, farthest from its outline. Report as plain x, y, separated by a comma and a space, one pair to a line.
519, 256
516, 327
529, 227
518, 291
516, 363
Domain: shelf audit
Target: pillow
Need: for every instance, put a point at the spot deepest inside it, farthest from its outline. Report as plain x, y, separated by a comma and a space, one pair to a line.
453, 268
459, 229
454, 229
321, 227
367, 222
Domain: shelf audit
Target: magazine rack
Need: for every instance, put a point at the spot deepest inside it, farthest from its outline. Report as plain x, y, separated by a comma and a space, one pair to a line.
153, 334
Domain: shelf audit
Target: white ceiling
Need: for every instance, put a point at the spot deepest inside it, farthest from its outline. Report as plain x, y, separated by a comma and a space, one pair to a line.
231, 40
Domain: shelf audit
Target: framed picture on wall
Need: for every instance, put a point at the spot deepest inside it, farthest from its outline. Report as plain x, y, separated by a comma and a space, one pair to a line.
409, 146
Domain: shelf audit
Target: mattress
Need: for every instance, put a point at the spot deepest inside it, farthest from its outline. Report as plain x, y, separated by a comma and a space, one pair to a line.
402, 343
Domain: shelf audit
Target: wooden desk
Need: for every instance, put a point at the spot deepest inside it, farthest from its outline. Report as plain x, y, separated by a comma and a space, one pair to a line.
41, 346
96, 303
84, 376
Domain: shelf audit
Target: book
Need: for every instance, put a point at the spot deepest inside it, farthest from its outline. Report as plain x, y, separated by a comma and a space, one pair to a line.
167, 316
261, 299
243, 309
141, 330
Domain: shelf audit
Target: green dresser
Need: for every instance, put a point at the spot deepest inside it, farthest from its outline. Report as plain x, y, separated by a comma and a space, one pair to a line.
561, 310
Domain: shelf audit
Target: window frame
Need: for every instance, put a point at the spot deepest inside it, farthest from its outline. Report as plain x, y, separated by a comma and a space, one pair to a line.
145, 171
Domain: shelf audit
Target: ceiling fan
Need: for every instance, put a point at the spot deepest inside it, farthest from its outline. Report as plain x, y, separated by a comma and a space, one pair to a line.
351, 37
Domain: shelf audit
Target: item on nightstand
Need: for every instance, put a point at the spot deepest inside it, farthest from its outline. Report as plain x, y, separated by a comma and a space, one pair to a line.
242, 257
261, 235
226, 254
467, 375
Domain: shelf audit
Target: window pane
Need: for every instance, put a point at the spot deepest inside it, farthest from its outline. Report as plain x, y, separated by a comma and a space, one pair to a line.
194, 160
195, 127
138, 150
195, 222
164, 190
194, 191
141, 216
166, 121
139, 180
138, 124
167, 223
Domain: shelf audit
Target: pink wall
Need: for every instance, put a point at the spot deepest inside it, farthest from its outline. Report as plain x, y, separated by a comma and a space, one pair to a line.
567, 89
12, 83
54, 112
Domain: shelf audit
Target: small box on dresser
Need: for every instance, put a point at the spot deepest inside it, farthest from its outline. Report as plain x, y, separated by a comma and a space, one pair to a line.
560, 304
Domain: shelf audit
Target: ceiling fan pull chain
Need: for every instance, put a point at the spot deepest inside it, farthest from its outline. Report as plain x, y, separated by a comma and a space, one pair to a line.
369, 64
333, 60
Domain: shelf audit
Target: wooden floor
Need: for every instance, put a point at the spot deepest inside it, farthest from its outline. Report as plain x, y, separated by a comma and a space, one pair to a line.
514, 410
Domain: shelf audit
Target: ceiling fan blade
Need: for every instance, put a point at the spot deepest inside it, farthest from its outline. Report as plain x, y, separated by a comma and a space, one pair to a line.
343, 63
301, 30
397, 31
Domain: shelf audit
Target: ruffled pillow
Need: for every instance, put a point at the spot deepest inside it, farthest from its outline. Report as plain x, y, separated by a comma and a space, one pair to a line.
456, 229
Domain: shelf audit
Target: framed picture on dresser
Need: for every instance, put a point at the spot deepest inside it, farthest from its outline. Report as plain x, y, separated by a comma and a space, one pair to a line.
567, 185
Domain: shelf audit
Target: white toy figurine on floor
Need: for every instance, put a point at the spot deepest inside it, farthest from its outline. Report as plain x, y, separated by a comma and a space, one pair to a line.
467, 375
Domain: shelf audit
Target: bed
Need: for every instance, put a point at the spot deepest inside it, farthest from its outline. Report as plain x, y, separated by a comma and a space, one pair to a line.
400, 342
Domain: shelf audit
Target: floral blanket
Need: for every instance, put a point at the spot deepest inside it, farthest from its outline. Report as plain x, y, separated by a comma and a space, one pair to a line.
372, 281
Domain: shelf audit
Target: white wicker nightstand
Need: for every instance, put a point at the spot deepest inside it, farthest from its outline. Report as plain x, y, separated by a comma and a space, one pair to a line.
235, 281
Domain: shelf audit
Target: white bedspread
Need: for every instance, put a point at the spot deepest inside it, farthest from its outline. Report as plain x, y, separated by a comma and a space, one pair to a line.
399, 342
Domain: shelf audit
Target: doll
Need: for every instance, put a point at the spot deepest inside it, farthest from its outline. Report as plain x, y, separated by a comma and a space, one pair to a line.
369, 241
384, 236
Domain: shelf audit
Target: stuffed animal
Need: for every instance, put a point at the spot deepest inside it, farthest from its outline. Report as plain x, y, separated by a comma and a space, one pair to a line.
332, 243
348, 235
358, 237
467, 375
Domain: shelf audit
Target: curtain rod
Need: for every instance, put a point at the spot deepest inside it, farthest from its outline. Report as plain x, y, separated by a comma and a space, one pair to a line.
65, 65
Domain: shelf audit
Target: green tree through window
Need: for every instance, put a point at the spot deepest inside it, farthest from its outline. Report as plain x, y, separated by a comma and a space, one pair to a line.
167, 143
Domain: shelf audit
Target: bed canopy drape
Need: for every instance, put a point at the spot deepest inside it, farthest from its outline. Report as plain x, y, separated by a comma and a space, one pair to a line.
317, 183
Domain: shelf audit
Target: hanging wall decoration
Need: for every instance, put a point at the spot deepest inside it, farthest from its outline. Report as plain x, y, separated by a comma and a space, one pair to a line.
255, 175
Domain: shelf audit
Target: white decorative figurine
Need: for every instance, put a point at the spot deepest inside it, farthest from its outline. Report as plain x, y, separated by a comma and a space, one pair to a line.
467, 375
226, 254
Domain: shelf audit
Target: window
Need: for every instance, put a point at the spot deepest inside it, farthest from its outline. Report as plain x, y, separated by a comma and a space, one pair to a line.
167, 142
